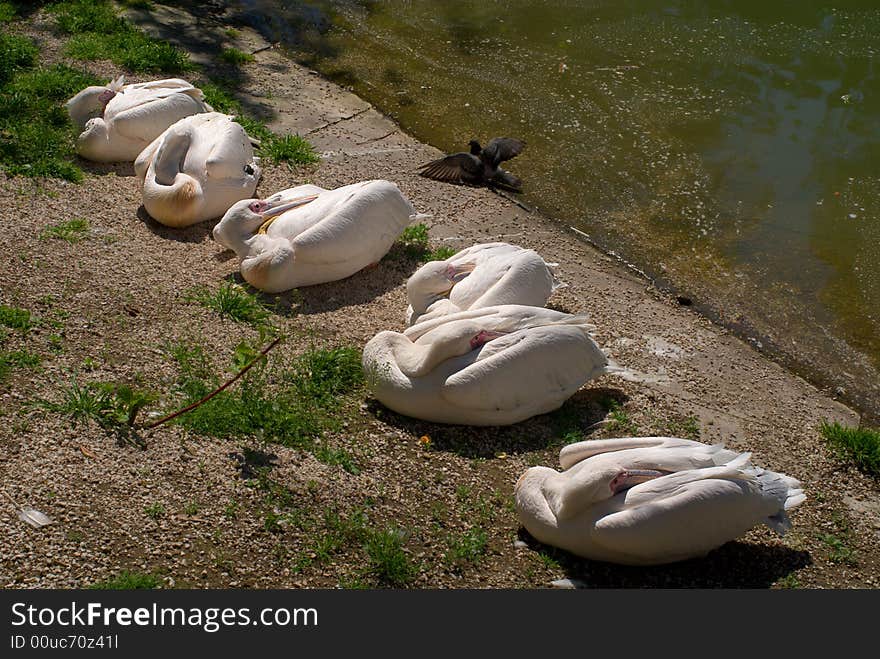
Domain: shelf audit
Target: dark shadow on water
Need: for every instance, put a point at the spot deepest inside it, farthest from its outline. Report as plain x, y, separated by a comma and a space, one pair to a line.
733, 565
575, 420
197, 233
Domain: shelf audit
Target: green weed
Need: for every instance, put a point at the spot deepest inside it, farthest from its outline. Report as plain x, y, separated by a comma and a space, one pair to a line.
290, 404
468, 548
38, 137
289, 148
414, 243
128, 581
98, 32
17, 359
389, 564
233, 301
155, 510
72, 231
860, 446
14, 318
109, 405
235, 57
16, 52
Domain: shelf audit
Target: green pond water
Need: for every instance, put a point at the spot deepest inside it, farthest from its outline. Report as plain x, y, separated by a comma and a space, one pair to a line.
729, 149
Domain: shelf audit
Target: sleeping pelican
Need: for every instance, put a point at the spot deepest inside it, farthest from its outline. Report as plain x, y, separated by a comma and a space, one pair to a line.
490, 366
307, 235
118, 121
651, 500
197, 169
484, 275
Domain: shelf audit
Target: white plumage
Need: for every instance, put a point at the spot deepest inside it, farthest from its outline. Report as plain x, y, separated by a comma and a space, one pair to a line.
491, 366
307, 235
197, 169
118, 121
483, 275
651, 500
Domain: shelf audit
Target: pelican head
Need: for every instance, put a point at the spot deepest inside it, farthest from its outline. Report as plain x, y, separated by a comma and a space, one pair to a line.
254, 216
89, 103
92, 142
434, 280
92, 100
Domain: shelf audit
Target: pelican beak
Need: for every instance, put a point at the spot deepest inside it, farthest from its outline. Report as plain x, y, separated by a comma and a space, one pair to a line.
455, 273
272, 208
483, 337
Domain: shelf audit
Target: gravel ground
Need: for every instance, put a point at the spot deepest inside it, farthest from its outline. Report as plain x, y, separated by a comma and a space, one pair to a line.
109, 304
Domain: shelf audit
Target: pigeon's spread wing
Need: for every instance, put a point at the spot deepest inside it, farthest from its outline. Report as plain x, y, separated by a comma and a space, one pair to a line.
455, 168
500, 149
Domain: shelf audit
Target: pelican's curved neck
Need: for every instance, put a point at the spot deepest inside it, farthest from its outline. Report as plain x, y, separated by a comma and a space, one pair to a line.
170, 157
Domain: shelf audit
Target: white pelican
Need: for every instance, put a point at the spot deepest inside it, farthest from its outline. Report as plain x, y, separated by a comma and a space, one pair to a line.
483, 275
651, 500
118, 121
490, 366
197, 169
307, 235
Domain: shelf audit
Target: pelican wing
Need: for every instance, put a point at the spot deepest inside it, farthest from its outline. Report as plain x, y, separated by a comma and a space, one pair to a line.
500, 149
456, 168
579, 451
501, 318
509, 370
361, 223
693, 518
152, 115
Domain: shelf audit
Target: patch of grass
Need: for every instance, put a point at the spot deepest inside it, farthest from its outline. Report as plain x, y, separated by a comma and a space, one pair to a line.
17, 359
441, 253
414, 240
83, 16
99, 32
7, 12
155, 510
467, 548
136, 4
126, 580
323, 374
290, 403
389, 564
15, 318
415, 244
110, 405
549, 560
191, 508
789, 581
233, 301
838, 550
16, 53
860, 446
38, 136
72, 231
231, 33
235, 57
289, 148
619, 421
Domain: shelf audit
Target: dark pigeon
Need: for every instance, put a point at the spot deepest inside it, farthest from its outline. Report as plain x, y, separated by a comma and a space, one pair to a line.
480, 166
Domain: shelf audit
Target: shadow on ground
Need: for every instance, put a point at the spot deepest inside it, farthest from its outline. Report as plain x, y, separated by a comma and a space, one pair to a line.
577, 418
733, 565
